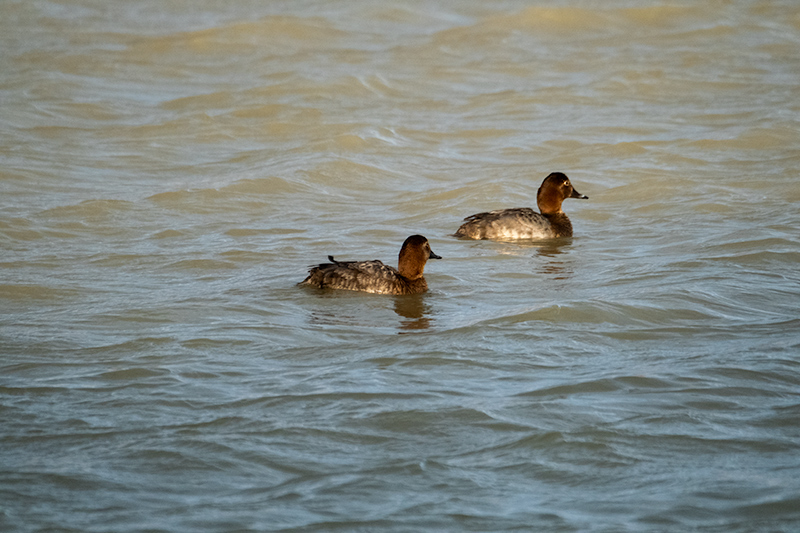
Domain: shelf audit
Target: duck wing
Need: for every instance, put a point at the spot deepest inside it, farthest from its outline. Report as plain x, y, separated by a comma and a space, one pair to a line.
368, 276
514, 223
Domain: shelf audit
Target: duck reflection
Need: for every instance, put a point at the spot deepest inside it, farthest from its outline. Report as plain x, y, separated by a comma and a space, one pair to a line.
361, 309
559, 268
414, 309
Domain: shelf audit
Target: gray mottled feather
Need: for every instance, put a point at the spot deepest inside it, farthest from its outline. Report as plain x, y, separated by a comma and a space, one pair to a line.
366, 276
515, 223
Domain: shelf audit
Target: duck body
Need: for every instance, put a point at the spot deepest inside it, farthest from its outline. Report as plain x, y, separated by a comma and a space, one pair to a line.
515, 224
375, 276
523, 222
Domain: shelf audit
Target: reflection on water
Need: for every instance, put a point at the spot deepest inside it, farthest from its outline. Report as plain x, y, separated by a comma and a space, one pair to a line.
558, 267
357, 309
414, 308
553, 257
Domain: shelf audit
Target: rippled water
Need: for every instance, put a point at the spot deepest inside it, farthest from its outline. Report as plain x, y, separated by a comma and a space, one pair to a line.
170, 169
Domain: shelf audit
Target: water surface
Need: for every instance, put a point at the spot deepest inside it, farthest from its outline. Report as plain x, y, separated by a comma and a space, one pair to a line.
170, 170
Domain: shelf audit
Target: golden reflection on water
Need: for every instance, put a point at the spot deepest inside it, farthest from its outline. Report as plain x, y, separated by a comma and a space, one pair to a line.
557, 263
361, 309
413, 308
552, 256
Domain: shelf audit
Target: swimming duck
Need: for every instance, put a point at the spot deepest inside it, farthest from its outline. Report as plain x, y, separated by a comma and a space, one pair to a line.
374, 276
524, 222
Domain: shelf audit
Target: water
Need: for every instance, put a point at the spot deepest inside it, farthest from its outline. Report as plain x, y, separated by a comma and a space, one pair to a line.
170, 169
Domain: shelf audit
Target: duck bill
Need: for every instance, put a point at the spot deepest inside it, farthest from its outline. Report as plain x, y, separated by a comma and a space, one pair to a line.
576, 194
434, 256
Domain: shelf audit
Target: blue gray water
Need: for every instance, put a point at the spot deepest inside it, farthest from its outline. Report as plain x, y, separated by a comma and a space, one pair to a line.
169, 170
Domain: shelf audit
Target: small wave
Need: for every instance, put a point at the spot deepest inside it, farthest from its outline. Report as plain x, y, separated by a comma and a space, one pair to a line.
131, 374
168, 234
578, 22
90, 209
600, 386
279, 34
247, 193
25, 291
599, 312
776, 138
202, 264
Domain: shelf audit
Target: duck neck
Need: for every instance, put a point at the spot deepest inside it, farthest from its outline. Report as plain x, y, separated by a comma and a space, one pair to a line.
562, 226
410, 269
410, 263
549, 206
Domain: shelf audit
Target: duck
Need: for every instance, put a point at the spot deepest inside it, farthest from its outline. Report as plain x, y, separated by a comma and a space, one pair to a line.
375, 276
523, 222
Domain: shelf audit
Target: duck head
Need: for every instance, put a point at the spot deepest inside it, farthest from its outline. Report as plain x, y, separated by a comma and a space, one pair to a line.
414, 254
555, 189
